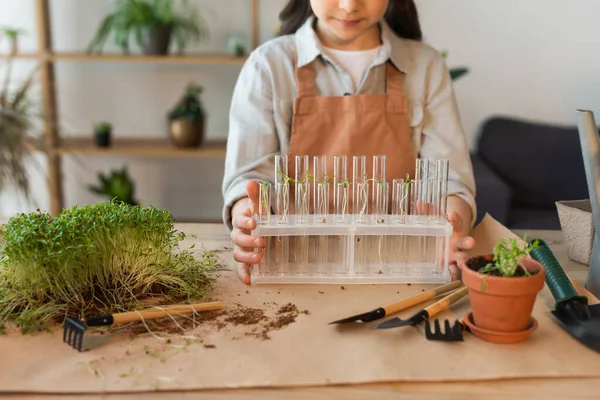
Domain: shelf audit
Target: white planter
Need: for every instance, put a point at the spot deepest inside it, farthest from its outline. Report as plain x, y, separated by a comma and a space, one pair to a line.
577, 226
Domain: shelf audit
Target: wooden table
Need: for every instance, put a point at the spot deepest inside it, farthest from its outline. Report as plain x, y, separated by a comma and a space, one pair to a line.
217, 235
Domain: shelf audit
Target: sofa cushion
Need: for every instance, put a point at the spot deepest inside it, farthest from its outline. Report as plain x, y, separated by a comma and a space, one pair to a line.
541, 163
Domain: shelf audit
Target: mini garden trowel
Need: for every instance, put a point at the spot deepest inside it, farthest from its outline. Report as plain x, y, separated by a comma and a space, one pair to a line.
382, 312
428, 312
572, 312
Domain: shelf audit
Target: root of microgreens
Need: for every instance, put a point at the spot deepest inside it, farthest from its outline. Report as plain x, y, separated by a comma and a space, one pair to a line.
286, 204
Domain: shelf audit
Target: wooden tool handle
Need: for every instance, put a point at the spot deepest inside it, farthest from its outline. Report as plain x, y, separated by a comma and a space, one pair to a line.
446, 302
421, 297
155, 312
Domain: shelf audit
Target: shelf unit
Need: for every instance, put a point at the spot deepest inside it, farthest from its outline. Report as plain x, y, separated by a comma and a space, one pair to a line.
56, 146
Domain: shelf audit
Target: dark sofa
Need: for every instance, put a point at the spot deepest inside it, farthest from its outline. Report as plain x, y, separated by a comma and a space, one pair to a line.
522, 168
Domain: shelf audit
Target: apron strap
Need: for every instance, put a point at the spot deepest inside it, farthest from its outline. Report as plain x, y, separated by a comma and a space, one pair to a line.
394, 79
305, 81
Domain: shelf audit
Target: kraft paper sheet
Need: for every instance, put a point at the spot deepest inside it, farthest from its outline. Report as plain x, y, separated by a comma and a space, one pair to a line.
306, 352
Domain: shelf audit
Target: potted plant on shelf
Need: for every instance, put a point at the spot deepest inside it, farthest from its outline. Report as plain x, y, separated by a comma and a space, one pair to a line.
154, 23
503, 288
118, 186
187, 119
102, 134
16, 121
13, 35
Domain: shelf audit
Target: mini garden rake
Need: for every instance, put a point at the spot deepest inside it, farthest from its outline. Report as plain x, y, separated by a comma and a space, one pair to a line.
450, 333
74, 329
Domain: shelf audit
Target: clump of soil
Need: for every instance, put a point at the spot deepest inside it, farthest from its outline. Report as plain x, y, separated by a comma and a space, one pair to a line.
245, 316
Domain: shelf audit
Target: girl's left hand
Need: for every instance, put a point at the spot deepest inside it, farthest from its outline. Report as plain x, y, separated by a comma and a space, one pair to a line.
459, 243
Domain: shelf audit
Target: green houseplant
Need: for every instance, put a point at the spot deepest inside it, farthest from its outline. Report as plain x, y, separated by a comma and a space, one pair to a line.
102, 134
503, 286
153, 23
117, 186
16, 120
13, 35
187, 119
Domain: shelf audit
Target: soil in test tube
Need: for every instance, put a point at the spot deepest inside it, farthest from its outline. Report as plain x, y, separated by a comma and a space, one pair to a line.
339, 245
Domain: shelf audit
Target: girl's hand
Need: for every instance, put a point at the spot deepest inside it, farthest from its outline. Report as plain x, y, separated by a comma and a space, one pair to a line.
243, 223
459, 242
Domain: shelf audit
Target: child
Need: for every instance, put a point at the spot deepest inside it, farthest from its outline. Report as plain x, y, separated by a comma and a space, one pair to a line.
345, 77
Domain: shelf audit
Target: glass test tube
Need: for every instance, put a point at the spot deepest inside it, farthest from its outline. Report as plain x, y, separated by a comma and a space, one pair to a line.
282, 210
302, 211
419, 205
360, 191
321, 200
360, 210
341, 187
380, 198
264, 204
321, 214
339, 248
399, 249
440, 190
264, 218
441, 194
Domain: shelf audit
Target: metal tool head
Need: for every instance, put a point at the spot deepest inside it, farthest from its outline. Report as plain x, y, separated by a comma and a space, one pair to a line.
365, 317
397, 322
73, 331
450, 334
585, 331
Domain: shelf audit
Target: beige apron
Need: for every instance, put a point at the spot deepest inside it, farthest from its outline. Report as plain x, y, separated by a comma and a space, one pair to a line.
352, 125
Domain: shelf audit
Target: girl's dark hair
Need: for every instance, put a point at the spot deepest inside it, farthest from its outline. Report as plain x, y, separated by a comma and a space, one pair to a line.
402, 17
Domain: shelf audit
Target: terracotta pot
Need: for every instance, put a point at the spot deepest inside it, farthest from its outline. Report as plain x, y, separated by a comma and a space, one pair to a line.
503, 304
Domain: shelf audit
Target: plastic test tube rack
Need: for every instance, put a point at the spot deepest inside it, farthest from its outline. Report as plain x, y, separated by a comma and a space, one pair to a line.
322, 228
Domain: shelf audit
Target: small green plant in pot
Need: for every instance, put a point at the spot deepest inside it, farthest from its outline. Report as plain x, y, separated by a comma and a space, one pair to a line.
187, 118
118, 186
153, 23
503, 286
102, 134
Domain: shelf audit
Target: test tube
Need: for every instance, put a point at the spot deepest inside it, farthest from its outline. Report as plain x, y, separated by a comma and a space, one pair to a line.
321, 214
321, 199
302, 209
282, 207
440, 190
360, 191
401, 191
360, 209
341, 187
380, 198
282, 188
419, 201
264, 204
341, 184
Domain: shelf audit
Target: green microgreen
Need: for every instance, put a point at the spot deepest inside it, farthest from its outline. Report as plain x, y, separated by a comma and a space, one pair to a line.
100, 258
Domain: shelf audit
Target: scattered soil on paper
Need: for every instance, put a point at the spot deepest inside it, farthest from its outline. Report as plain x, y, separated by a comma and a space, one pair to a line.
249, 321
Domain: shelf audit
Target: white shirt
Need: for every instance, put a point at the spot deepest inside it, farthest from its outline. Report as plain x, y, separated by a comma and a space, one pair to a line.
355, 62
262, 107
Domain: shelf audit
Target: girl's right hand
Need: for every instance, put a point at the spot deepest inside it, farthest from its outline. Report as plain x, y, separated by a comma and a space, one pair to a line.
243, 223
